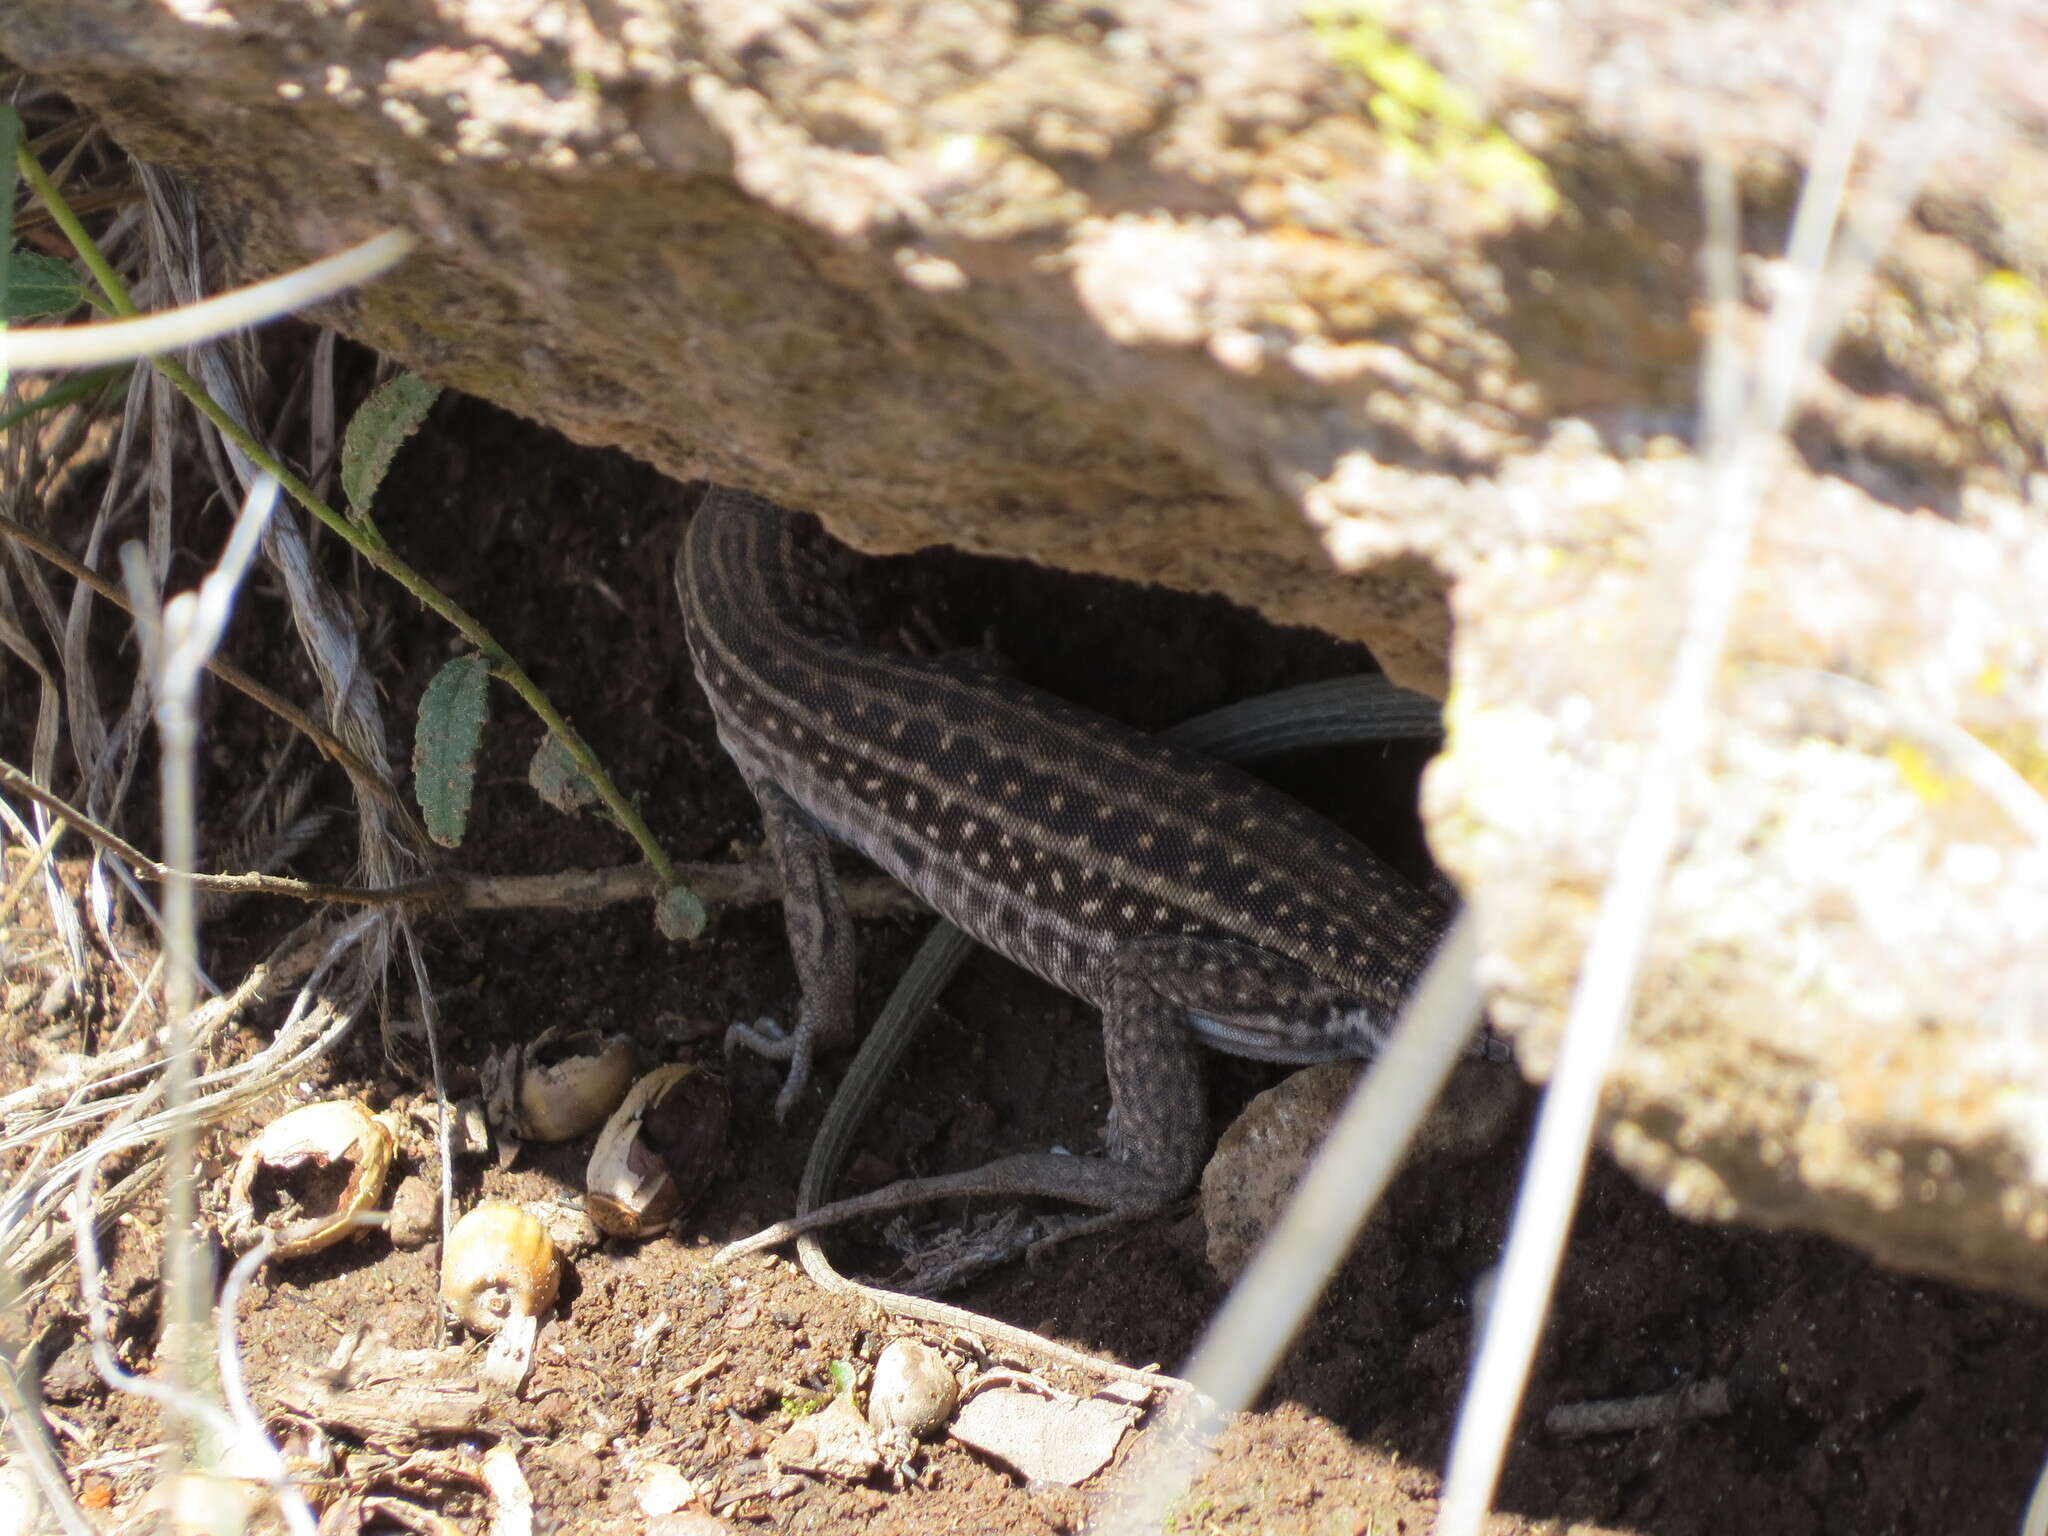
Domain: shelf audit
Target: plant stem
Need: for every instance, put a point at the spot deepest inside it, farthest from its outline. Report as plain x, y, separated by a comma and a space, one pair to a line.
362, 537
88, 249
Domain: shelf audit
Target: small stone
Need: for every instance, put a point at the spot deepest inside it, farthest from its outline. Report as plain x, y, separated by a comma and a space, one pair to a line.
834, 1441
688, 1522
1261, 1157
72, 1377
575, 1234
56, 997
1044, 1437
415, 1214
662, 1489
914, 1390
21, 1504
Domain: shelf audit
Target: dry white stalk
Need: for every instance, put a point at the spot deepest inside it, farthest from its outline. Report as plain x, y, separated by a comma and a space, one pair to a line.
114, 341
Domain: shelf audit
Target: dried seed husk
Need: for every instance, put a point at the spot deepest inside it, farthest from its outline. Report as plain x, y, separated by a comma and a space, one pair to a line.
329, 1160
558, 1085
657, 1152
499, 1263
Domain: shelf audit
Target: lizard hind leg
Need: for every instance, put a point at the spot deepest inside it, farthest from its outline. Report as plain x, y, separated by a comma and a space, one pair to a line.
1157, 1122
1157, 1134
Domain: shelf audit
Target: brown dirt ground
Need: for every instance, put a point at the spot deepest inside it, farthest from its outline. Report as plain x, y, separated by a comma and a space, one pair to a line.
1864, 1401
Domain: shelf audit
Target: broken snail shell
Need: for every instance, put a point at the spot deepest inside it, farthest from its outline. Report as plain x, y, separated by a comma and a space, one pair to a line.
499, 1263
656, 1152
559, 1084
307, 1178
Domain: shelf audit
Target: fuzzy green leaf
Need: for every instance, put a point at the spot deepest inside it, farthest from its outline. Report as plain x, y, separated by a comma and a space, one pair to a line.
377, 431
445, 740
679, 915
39, 286
556, 778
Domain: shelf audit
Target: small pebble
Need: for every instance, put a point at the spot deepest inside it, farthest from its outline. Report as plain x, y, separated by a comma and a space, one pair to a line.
56, 997
835, 1441
688, 1523
914, 1390
575, 1234
662, 1490
415, 1214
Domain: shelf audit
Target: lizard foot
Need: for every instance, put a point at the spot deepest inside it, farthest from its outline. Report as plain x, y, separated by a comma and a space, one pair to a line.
769, 1040
955, 1257
1119, 1191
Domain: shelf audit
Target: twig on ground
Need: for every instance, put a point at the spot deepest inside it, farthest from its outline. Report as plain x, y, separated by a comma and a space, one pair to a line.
1620, 1415
737, 885
575, 889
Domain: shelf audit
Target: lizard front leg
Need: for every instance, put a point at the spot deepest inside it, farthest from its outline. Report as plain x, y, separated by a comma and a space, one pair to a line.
820, 942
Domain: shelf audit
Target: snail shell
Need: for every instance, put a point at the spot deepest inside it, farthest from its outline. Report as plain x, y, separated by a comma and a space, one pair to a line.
499, 1264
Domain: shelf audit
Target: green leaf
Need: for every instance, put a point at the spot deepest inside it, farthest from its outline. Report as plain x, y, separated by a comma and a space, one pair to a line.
842, 1374
377, 431
450, 728
556, 778
679, 915
39, 286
